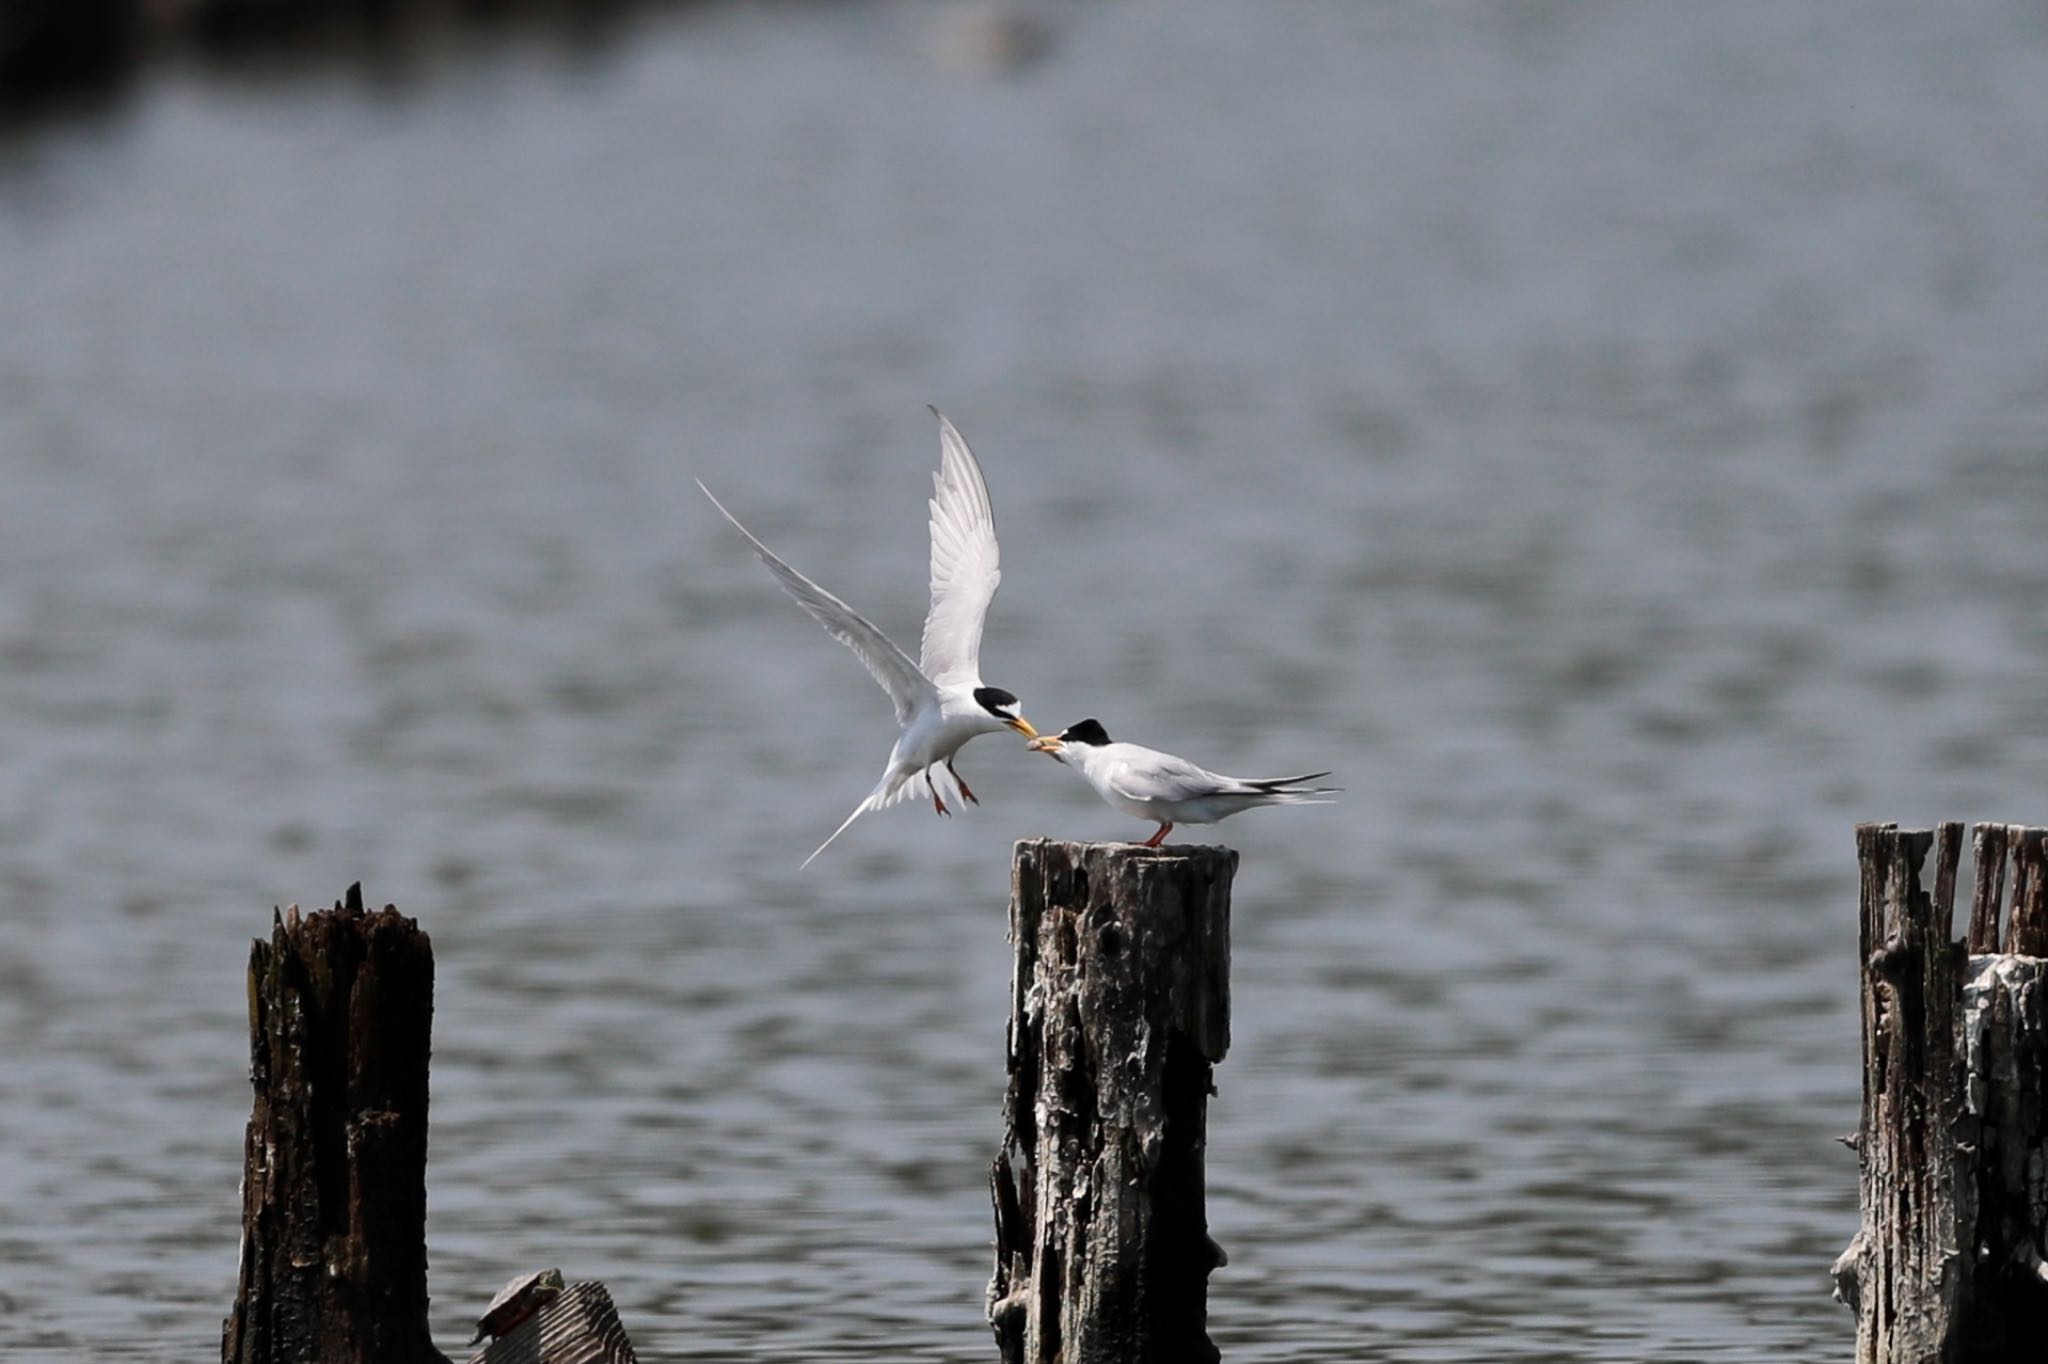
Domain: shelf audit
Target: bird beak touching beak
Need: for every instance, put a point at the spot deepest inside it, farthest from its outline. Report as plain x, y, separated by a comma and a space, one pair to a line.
1049, 744
1023, 727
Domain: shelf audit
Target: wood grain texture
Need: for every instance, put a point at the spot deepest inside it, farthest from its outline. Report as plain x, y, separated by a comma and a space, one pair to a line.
334, 1200
1988, 844
1948, 1265
2026, 925
1120, 1009
1904, 1272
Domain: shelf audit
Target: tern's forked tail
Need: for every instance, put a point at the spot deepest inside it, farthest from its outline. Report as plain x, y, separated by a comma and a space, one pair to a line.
866, 805
1290, 791
893, 786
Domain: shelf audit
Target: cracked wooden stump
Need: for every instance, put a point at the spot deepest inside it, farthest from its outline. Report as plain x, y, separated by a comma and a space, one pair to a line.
334, 1197
1951, 1263
1120, 1007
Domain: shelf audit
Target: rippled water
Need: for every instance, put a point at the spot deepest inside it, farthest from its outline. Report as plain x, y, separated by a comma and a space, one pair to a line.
1611, 436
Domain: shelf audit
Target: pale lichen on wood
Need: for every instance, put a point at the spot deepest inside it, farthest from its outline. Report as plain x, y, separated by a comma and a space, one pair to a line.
2005, 1135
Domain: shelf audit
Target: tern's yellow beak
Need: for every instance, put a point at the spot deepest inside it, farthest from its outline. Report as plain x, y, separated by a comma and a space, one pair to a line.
1023, 727
1049, 744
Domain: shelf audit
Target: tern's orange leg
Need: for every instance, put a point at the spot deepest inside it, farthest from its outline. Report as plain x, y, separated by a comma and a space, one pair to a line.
965, 789
1159, 837
937, 804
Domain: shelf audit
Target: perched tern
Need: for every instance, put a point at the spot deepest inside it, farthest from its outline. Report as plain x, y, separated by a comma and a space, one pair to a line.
1166, 789
940, 700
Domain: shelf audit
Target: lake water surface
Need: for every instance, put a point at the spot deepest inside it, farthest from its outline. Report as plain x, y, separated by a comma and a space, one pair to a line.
1611, 437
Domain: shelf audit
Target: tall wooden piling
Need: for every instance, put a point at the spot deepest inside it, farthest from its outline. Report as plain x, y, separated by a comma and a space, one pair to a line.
1120, 1007
1950, 1265
334, 1198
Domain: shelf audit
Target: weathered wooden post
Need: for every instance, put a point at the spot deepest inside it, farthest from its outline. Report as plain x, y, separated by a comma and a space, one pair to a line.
1948, 1266
1120, 1007
334, 1180
334, 1194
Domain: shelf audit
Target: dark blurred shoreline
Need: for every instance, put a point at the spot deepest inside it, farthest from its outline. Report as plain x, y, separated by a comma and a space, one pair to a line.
55, 54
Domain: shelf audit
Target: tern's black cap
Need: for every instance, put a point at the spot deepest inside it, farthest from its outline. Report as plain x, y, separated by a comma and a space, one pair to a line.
994, 699
1088, 732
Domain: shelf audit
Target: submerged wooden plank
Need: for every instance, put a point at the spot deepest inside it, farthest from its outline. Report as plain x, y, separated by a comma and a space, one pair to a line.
579, 1327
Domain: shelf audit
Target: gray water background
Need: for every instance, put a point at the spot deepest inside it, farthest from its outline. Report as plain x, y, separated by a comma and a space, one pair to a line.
1610, 436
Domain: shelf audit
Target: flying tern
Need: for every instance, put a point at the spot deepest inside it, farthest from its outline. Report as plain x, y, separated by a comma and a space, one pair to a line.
1166, 789
940, 700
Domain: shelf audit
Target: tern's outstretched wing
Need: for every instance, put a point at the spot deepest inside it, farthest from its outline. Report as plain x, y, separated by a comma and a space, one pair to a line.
890, 665
965, 570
